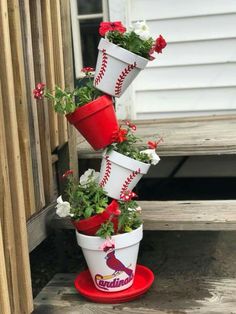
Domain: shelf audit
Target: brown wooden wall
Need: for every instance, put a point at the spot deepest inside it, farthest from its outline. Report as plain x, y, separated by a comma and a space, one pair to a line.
35, 47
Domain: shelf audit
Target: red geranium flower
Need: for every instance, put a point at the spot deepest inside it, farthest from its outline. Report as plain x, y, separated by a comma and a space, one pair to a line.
154, 145
87, 70
39, 91
131, 125
110, 27
120, 135
67, 173
160, 44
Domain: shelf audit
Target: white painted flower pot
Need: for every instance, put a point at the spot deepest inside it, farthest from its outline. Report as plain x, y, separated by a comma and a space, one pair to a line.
120, 173
113, 270
116, 68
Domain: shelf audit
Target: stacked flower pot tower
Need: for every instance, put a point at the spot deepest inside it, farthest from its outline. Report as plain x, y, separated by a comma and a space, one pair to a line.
102, 206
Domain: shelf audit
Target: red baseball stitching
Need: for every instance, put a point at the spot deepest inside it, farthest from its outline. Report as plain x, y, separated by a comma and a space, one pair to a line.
103, 67
107, 172
129, 180
122, 76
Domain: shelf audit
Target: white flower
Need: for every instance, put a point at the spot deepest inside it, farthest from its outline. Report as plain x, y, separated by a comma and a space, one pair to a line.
142, 30
63, 208
152, 155
89, 175
131, 209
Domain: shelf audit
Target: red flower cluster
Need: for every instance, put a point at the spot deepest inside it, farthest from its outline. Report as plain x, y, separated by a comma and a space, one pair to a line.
67, 173
87, 70
131, 125
120, 136
111, 27
39, 91
127, 195
154, 145
160, 44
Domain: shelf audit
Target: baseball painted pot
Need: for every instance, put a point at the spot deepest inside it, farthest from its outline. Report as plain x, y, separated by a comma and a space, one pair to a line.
116, 68
96, 121
90, 226
120, 173
112, 269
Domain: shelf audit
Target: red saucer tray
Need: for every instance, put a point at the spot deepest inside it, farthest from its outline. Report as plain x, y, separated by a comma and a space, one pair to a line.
143, 280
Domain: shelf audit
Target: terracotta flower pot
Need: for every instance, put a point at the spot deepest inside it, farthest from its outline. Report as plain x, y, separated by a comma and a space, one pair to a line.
96, 121
120, 173
90, 226
112, 269
116, 68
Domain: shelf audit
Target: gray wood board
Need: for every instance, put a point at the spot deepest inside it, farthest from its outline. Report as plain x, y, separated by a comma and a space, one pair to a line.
180, 215
211, 135
173, 296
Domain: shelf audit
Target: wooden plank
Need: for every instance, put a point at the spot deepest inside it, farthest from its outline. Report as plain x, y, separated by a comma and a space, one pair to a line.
4, 292
211, 135
43, 115
50, 79
32, 105
166, 296
37, 226
69, 77
21, 106
13, 155
7, 218
180, 215
58, 63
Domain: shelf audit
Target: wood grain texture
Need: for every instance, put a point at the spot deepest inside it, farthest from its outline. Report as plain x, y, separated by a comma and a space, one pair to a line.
49, 62
166, 296
58, 64
43, 115
38, 228
6, 217
21, 106
180, 215
69, 77
212, 135
31, 102
4, 292
13, 156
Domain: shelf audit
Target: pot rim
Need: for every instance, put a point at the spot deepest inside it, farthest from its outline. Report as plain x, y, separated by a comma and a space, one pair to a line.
121, 240
127, 162
90, 108
122, 54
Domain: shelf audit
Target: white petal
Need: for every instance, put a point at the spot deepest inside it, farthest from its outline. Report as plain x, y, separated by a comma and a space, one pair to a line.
59, 200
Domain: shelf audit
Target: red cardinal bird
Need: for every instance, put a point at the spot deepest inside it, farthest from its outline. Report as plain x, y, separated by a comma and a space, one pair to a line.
116, 265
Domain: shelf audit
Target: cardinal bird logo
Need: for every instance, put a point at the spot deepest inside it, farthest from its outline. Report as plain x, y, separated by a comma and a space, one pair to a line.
115, 264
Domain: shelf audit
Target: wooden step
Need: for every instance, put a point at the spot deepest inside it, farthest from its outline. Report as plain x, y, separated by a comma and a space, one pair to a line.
167, 296
211, 135
179, 215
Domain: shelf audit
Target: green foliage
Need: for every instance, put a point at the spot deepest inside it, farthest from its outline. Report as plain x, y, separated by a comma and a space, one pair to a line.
106, 230
129, 219
129, 148
132, 42
85, 200
65, 102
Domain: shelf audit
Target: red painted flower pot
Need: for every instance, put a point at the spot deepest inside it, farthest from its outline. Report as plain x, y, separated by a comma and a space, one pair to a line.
90, 226
96, 121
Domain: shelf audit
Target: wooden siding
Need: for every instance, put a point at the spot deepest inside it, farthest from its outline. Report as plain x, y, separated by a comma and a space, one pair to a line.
196, 72
32, 51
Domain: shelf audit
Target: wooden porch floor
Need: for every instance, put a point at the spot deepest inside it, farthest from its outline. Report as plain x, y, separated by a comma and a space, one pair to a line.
166, 296
211, 135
